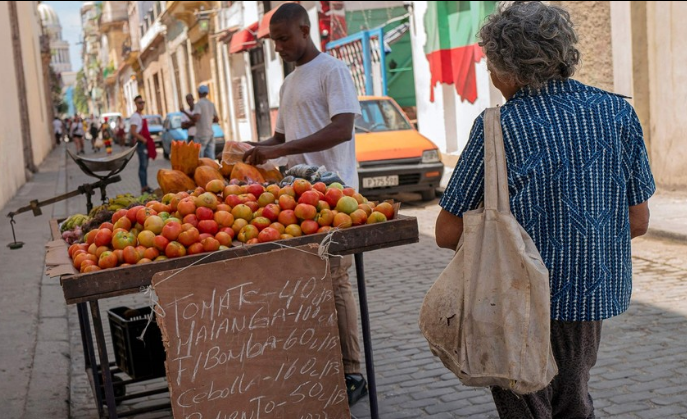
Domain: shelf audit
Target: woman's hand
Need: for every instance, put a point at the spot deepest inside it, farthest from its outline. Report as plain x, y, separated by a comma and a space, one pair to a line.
448, 230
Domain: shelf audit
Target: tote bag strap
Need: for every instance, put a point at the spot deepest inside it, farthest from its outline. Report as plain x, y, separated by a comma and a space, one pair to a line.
495, 175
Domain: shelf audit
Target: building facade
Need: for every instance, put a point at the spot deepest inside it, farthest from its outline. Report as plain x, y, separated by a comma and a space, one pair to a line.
171, 47
25, 133
59, 48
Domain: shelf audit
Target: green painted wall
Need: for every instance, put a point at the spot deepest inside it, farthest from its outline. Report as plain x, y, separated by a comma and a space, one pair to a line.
400, 81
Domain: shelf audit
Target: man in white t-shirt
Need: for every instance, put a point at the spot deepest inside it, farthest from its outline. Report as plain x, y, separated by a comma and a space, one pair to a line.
204, 115
187, 121
318, 104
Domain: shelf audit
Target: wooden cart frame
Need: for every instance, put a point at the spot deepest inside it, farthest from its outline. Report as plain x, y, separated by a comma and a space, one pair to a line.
85, 290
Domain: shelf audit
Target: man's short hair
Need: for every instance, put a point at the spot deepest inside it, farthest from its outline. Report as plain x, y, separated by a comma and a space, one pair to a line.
138, 97
291, 12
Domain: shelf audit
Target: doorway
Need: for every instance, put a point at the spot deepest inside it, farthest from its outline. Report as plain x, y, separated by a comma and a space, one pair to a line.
262, 104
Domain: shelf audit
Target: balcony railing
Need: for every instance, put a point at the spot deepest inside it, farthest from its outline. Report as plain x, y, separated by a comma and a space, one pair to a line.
149, 36
112, 16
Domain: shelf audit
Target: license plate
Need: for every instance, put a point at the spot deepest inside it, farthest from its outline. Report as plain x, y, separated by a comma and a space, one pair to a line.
380, 181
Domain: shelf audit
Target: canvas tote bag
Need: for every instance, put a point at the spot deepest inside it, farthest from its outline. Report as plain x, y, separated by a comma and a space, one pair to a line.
487, 316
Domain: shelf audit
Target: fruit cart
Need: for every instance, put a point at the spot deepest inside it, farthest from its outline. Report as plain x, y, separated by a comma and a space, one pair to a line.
89, 288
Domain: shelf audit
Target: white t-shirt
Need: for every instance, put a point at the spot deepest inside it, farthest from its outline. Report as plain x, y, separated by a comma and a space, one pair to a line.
136, 119
310, 97
207, 112
77, 128
184, 118
57, 126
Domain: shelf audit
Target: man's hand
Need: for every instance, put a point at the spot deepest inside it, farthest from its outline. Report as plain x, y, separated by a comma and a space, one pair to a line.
260, 154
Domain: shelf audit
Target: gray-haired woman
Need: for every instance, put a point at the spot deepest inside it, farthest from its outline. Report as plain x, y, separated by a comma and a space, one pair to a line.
579, 182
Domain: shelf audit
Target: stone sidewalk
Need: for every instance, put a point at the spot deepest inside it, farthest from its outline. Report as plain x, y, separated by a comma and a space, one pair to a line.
641, 372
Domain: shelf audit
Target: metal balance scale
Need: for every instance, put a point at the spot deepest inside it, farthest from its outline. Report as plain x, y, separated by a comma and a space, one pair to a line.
105, 169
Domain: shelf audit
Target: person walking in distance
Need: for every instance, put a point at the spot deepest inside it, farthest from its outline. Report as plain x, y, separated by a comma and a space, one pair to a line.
106, 136
57, 128
77, 133
120, 133
67, 124
187, 120
94, 130
204, 115
145, 146
315, 126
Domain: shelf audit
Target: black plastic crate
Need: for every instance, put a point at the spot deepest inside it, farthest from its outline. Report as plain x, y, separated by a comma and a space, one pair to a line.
139, 359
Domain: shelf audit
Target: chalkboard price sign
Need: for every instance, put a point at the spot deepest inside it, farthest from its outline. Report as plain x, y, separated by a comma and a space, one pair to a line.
253, 337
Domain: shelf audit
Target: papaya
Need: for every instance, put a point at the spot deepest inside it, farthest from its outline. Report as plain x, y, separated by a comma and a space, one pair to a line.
184, 156
271, 176
226, 169
246, 173
173, 181
204, 161
204, 174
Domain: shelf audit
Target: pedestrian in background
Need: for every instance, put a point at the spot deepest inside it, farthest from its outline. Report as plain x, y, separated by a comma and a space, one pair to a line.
58, 129
204, 116
93, 130
187, 120
120, 132
77, 133
139, 133
106, 136
579, 182
67, 124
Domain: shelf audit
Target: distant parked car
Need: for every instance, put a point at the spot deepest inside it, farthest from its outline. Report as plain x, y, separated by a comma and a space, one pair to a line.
392, 156
155, 128
172, 131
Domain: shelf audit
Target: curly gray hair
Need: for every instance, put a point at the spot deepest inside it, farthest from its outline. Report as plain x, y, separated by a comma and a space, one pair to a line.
530, 43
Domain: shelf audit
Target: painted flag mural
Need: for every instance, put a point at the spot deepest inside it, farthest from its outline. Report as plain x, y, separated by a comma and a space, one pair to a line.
451, 47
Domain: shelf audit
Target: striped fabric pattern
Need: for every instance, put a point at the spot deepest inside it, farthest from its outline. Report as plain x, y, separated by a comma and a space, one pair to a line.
576, 161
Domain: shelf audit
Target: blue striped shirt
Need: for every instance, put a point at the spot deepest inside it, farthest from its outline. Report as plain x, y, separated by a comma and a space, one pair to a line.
576, 162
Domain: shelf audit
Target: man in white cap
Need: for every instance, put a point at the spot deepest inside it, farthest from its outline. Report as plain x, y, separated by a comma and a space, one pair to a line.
204, 115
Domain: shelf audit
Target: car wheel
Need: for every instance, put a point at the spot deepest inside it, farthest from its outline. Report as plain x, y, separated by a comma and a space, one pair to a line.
428, 194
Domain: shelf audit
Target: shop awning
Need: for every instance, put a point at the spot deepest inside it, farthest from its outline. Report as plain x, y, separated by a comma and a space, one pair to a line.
264, 31
244, 39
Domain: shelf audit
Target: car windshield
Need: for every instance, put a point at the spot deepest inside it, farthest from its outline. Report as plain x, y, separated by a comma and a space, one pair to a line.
154, 120
175, 122
380, 115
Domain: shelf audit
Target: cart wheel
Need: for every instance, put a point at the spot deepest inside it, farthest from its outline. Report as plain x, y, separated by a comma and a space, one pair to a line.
119, 389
